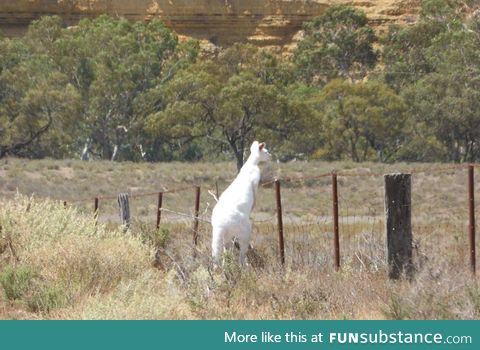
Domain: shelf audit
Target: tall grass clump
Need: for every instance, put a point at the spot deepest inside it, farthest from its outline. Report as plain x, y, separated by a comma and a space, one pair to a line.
54, 257
438, 291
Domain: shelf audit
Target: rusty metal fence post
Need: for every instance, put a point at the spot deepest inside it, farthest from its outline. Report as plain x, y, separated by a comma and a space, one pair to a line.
471, 221
95, 206
197, 213
159, 208
336, 236
280, 221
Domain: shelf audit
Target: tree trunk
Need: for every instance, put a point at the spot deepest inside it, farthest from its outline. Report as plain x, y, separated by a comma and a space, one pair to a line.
13, 149
239, 157
353, 149
237, 151
114, 155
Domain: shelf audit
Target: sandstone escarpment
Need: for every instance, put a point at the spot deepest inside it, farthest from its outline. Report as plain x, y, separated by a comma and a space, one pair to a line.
222, 22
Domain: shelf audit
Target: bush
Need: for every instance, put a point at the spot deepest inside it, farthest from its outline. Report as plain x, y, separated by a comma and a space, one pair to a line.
47, 297
16, 281
73, 257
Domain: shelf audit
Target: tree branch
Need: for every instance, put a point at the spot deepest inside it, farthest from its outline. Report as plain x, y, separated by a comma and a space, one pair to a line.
4, 150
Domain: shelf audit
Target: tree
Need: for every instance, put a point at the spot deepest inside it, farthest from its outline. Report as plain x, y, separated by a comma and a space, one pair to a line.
103, 70
361, 121
449, 104
38, 105
113, 62
336, 44
444, 103
201, 106
125, 60
36, 116
405, 52
228, 101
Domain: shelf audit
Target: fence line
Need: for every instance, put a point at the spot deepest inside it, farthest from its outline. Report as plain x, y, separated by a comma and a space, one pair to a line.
342, 225
294, 179
185, 215
138, 195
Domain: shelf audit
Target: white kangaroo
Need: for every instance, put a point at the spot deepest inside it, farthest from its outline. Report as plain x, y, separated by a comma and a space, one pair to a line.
231, 214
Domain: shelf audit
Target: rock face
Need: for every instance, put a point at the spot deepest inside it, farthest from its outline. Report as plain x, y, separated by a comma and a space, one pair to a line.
222, 22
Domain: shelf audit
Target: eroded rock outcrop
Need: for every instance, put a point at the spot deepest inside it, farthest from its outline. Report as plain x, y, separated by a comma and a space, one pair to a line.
222, 22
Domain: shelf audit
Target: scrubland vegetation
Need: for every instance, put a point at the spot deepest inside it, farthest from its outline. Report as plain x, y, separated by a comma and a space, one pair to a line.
347, 98
61, 265
56, 263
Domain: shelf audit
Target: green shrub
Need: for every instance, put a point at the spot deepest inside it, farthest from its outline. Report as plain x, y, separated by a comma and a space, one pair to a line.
16, 281
156, 237
46, 298
162, 236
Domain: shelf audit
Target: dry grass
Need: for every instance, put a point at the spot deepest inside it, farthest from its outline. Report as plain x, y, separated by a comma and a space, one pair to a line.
56, 263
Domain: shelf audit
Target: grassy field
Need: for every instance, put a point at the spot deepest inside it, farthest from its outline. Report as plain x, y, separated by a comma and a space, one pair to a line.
56, 263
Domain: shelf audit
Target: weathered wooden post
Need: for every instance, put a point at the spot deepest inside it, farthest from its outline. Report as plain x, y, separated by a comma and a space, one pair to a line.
124, 208
398, 210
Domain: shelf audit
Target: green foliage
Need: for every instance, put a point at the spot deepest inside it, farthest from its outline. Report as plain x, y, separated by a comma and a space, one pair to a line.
16, 281
336, 44
109, 84
46, 298
407, 50
117, 62
38, 105
23, 284
449, 104
434, 65
231, 267
158, 238
421, 147
361, 121
230, 101
64, 86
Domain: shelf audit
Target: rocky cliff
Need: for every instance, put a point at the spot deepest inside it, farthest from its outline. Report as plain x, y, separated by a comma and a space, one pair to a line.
222, 22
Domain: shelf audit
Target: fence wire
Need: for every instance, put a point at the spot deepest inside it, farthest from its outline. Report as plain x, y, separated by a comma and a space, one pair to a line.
439, 217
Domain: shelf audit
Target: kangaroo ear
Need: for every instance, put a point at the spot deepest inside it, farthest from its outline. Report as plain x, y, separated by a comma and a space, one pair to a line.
260, 146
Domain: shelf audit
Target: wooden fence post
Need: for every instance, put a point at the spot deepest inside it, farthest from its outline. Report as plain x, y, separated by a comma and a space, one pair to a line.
280, 221
124, 208
398, 210
471, 217
336, 236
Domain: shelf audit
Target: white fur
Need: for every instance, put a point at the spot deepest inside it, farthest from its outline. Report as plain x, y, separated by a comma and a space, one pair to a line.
231, 215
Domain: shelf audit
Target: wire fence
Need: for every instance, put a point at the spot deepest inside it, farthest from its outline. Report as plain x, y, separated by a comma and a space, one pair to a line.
440, 216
